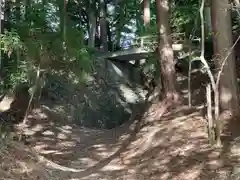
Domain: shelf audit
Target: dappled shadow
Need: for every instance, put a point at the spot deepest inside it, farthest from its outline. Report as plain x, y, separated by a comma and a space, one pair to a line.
231, 145
19, 162
57, 138
174, 148
136, 125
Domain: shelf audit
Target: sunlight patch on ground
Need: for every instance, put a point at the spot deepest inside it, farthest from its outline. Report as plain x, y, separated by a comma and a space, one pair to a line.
215, 164
112, 168
37, 128
40, 147
165, 175
192, 173
86, 162
148, 140
47, 133
62, 136
187, 149
174, 148
30, 132
24, 167
50, 139
64, 130
66, 144
48, 151
63, 153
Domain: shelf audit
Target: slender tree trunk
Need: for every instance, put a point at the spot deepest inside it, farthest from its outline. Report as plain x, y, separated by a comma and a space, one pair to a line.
103, 26
137, 14
109, 35
165, 52
92, 24
98, 36
222, 39
18, 10
92, 30
64, 26
7, 14
146, 12
27, 9
103, 32
44, 25
207, 17
7, 10
62, 13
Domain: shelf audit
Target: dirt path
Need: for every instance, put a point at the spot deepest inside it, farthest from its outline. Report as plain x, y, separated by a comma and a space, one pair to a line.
175, 148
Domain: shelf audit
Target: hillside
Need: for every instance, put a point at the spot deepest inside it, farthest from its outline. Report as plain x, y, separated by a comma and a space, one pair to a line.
174, 148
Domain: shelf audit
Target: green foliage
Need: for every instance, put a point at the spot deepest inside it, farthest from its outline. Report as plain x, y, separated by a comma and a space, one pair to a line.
183, 18
15, 70
10, 41
19, 76
45, 28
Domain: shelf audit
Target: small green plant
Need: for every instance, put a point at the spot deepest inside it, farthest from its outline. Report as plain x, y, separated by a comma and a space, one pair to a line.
10, 42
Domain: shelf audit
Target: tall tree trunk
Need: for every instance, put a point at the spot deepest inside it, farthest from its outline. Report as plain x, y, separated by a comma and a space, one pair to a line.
7, 13
139, 21
146, 12
63, 14
18, 10
207, 17
92, 24
222, 39
27, 10
109, 35
44, 24
165, 52
64, 26
92, 30
103, 25
103, 32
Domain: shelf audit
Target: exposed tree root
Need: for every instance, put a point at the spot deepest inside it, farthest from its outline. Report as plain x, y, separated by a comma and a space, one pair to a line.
157, 110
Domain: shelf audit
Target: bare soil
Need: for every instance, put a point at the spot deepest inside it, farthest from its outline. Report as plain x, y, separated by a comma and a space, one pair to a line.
175, 147
172, 148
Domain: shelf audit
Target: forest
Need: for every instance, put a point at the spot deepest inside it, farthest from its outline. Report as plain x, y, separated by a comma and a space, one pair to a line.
120, 89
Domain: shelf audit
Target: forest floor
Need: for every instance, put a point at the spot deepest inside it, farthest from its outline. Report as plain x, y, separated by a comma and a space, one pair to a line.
173, 148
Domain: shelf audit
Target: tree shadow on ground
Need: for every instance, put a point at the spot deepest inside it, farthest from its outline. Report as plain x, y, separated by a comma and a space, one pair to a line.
136, 125
63, 142
231, 145
174, 147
